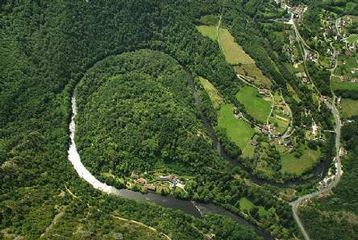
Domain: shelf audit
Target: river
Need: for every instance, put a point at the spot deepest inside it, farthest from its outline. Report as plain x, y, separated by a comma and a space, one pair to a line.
190, 207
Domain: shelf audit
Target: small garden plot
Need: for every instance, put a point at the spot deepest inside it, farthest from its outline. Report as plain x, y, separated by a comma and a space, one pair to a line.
353, 38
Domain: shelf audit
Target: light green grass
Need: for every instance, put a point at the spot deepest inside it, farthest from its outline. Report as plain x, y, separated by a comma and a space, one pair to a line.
263, 212
209, 20
239, 131
248, 151
292, 165
213, 93
349, 107
208, 31
353, 38
293, 93
246, 204
337, 84
281, 123
233, 52
254, 104
254, 72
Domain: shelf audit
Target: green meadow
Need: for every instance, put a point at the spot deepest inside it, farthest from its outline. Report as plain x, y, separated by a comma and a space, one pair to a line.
238, 131
254, 104
297, 165
213, 93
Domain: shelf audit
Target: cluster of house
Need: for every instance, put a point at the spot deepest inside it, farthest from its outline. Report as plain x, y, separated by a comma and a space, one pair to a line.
311, 56
266, 128
303, 76
173, 181
298, 11
147, 186
143, 181
287, 142
343, 22
237, 113
264, 92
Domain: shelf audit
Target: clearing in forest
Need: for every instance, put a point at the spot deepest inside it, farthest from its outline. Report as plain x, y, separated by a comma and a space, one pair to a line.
349, 107
280, 117
255, 105
213, 93
235, 54
238, 130
295, 164
208, 31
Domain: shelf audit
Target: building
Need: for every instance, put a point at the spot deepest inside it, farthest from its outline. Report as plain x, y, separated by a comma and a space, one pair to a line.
141, 181
150, 187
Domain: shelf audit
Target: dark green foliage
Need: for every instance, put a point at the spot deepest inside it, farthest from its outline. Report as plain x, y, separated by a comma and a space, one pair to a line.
147, 117
230, 148
320, 77
338, 213
45, 49
226, 229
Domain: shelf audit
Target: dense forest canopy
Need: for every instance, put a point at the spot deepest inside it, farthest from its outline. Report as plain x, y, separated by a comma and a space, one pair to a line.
135, 69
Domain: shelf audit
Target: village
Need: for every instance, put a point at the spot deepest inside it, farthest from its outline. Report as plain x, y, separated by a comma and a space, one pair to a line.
162, 184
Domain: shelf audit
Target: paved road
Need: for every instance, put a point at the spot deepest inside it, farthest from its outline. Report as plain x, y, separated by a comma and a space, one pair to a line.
338, 124
295, 205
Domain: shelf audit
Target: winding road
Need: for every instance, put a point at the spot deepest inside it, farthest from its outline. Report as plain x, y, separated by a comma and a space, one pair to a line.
338, 125
296, 204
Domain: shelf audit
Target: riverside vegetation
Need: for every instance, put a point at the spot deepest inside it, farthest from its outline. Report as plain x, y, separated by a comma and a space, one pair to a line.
155, 97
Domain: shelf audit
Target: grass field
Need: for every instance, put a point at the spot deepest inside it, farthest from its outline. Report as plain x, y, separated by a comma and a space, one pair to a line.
280, 116
246, 205
337, 84
209, 19
291, 164
352, 38
212, 92
248, 151
293, 93
208, 31
349, 107
281, 123
233, 52
238, 131
254, 72
254, 104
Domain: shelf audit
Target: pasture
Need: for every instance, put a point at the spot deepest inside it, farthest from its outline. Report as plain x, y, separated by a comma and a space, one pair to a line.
254, 104
239, 131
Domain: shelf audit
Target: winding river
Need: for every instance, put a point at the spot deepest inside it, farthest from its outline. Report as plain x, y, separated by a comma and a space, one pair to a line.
190, 207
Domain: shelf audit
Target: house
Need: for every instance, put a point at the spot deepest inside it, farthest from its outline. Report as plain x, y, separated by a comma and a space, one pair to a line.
134, 175
254, 140
141, 181
150, 187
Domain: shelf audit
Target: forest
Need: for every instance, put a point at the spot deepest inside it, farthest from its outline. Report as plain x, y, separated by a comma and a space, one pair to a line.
133, 67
